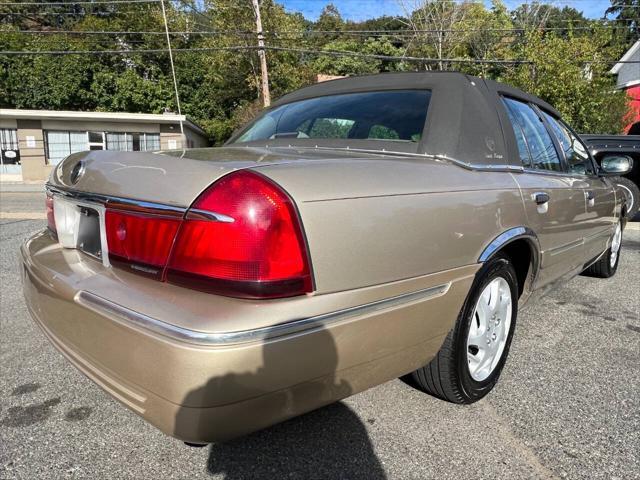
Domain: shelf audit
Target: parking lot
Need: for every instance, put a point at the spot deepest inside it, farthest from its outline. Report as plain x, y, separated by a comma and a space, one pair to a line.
567, 405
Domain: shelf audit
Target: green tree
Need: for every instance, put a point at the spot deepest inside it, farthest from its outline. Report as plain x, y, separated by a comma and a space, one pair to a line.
569, 74
354, 65
627, 14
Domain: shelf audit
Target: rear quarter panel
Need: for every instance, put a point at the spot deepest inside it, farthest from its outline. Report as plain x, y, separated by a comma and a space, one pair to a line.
370, 222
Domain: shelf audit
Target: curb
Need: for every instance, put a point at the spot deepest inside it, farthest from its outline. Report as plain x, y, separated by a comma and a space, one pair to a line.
22, 187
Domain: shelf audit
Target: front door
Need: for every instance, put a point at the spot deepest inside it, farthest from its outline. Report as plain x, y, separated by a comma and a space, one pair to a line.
554, 200
599, 219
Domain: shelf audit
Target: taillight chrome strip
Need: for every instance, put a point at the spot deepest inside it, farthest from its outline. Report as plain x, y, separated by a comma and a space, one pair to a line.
139, 206
125, 315
197, 214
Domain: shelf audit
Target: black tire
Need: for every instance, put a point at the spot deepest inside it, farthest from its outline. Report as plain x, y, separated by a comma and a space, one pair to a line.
447, 376
632, 192
602, 268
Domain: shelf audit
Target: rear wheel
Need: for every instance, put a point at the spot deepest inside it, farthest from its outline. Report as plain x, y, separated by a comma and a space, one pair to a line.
471, 358
607, 264
632, 194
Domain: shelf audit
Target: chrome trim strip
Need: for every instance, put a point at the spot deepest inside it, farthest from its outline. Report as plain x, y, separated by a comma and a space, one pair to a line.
504, 238
140, 206
197, 214
481, 167
130, 317
553, 173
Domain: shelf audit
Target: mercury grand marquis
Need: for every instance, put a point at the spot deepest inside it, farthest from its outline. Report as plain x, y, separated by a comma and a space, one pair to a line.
358, 230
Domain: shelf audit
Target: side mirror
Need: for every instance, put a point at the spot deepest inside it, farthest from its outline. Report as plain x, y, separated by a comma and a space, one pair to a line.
613, 165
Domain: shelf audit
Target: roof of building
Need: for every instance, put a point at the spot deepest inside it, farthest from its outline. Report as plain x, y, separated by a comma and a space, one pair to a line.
627, 69
626, 57
162, 118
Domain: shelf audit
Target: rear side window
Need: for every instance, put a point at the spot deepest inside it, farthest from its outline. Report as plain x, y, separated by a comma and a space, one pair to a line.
540, 148
393, 115
575, 153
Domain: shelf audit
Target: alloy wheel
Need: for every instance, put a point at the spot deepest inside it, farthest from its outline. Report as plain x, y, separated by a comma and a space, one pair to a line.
615, 246
489, 329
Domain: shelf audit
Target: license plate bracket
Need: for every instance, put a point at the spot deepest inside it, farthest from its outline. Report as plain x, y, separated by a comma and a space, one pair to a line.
89, 240
81, 225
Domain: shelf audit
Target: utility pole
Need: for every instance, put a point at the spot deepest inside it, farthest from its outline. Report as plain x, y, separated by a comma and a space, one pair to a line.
183, 139
266, 96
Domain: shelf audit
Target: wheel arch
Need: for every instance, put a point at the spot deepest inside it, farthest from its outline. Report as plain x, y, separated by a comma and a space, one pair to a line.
523, 248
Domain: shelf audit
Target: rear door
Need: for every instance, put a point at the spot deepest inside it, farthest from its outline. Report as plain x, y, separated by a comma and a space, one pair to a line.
600, 201
554, 201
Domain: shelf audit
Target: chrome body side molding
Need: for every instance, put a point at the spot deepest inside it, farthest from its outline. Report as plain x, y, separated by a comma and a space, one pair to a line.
129, 317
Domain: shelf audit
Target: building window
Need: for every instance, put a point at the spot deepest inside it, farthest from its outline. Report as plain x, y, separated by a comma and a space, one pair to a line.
133, 142
9, 151
8, 139
61, 144
122, 142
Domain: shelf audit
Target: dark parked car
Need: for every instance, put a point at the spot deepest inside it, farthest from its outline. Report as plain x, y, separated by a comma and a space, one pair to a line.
608, 147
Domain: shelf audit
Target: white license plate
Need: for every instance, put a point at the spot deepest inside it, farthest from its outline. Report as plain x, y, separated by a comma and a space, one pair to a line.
81, 225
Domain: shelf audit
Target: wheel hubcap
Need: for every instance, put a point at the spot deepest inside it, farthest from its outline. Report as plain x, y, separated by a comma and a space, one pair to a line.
489, 329
615, 246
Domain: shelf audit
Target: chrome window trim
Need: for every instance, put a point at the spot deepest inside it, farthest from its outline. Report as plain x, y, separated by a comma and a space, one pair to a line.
540, 171
481, 167
129, 317
489, 167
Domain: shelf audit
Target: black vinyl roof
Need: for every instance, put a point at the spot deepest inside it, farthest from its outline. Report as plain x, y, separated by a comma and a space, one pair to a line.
464, 121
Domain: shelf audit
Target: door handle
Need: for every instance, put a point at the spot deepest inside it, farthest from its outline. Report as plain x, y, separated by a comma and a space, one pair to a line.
591, 198
541, 198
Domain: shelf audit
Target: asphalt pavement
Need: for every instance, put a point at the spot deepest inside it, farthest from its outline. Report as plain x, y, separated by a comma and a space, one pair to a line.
567, 404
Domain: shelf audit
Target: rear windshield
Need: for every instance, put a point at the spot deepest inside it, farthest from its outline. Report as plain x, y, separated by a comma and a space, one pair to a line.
397, 115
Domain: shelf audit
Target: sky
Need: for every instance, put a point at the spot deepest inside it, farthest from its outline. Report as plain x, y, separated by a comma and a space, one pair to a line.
363, 9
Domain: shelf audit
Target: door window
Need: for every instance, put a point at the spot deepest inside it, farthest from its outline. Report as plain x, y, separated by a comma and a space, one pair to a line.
575, 152
521, 140
541, 150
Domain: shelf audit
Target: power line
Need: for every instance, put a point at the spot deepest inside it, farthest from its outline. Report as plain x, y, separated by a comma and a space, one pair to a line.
293, 33
71, 4
173, 70
302, 50
129, 32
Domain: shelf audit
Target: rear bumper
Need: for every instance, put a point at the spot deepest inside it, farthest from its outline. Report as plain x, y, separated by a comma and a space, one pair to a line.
204, 368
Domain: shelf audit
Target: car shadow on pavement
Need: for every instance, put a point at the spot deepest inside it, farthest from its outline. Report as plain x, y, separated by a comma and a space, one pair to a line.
330, 442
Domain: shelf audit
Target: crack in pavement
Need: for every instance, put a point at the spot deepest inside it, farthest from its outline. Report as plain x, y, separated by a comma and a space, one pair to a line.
511, 439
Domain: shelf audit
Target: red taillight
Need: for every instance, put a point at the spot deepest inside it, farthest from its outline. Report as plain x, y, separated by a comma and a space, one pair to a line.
260, 254
51, 219
144, 241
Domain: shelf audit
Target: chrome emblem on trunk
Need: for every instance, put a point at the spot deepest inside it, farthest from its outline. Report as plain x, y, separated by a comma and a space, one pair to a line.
77, 172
